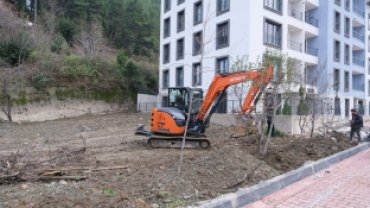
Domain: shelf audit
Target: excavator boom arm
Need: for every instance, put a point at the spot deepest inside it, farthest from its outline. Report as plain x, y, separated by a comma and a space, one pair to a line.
222, 82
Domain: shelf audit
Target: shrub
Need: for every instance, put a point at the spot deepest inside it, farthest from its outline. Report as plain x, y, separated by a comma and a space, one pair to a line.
57, 44
276, 132
12, 52
286, 109
302, 108
68, 29
39, 80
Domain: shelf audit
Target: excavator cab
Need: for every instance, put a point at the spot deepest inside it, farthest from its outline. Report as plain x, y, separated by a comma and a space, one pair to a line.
179, 97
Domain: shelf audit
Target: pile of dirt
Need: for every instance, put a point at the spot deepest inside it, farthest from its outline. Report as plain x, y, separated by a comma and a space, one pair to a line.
151, 178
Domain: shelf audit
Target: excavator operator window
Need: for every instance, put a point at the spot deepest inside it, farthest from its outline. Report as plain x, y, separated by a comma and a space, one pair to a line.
179, 98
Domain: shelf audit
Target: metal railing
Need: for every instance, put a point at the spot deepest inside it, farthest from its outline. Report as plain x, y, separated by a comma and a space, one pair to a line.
347, 32
358, 86
273, 4
358, 36
347, 5
312, 21
358, 61
296, 14
147, 107
273, 40
312, 51
359, 11
294, 45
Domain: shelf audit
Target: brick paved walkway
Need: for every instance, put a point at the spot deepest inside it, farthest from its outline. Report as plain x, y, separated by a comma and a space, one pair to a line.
343, 185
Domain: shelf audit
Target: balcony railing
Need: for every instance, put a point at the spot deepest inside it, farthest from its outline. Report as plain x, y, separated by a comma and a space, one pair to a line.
273, 40
358, 36
312, 21
358, 86
358, 61
296, 14
273, 4
359, 11
312, 51
294, 45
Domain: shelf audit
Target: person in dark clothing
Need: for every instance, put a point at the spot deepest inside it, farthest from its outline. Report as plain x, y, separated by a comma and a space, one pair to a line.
356, 124
270, 113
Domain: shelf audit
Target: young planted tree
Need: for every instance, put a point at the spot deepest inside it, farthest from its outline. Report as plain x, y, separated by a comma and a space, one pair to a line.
15, 47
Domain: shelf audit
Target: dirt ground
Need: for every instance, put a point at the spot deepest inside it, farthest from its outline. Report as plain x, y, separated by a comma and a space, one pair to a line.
151, 178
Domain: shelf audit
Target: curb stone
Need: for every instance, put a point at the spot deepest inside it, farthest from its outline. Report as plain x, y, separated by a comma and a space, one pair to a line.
252, 194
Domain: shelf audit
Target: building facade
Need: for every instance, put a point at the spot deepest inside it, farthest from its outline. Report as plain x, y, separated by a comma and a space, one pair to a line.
329, 36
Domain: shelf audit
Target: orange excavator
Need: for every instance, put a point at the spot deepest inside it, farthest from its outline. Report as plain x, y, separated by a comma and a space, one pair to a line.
168, 123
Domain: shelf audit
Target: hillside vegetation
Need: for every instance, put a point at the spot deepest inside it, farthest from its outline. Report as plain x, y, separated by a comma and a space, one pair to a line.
80, 43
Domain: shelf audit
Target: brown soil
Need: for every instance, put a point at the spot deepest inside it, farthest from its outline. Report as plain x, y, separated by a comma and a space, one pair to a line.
152, 175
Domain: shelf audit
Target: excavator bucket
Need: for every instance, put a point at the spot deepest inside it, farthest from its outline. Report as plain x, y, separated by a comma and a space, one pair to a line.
244, 126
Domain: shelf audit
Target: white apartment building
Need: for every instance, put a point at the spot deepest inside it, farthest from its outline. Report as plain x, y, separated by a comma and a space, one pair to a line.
237, 28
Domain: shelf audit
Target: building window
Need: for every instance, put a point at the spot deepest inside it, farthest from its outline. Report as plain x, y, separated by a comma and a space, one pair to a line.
166, 53
368, 23
180, 49
347, 5
198, 13
197, 75
273, 5
347, 55
167, 5
272, 33
223, 35
166, 78
336, 79
368, 68
222, 65
223, 6
167, 27
337, 2
180, 77
180, 2
181, 21
197, 43
368, 44
337, 22
346, 81
336, 51
348, 27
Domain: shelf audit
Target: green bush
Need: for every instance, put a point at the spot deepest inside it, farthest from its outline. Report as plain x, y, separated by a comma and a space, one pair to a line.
302, 108
39, 80
68, 29
286, 109
276, 132
58, 43
83, 69
11, 52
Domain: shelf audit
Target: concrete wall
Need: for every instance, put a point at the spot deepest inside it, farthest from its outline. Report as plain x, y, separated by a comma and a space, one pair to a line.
32, 105
145, 102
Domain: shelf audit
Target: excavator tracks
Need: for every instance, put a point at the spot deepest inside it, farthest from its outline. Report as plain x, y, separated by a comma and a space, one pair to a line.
167, 142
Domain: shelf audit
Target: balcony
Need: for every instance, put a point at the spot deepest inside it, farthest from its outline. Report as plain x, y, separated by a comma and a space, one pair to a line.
294, 45
358, 11
312, 21
358, 86
312, 51
358, 36
358, 61
296, 14
273, 40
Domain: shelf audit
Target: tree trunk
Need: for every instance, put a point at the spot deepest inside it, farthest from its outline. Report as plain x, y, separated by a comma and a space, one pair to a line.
35, 12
